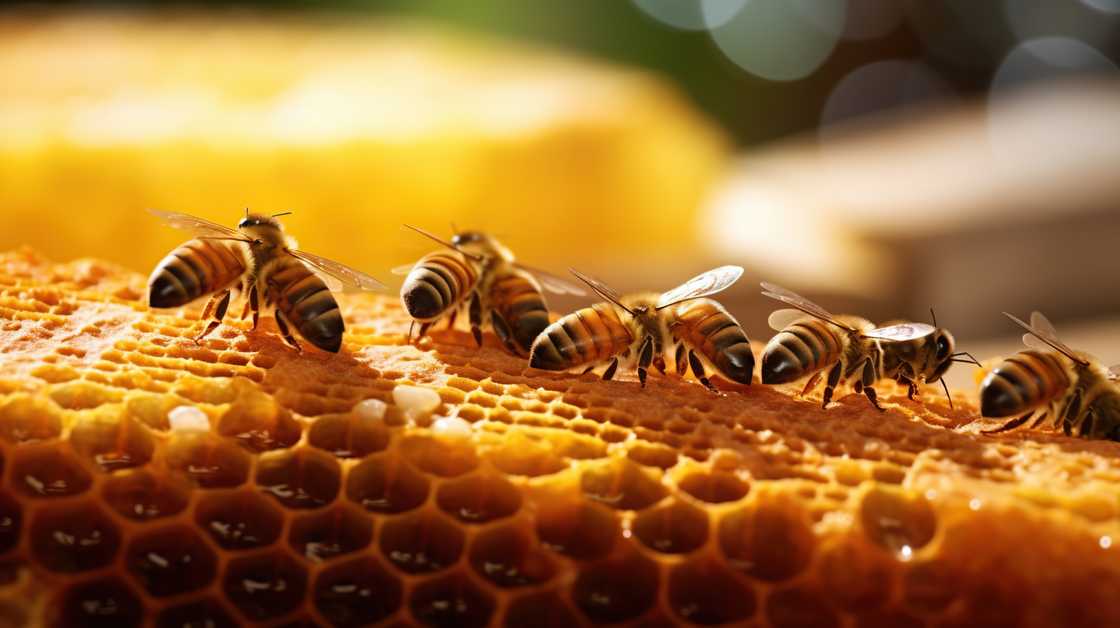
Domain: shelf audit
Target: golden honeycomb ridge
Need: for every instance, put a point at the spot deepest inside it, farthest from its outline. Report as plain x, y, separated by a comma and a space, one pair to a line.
571, 501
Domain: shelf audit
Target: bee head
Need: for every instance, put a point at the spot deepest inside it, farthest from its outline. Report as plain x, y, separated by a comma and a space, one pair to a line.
941, 358
479, 243
262, 231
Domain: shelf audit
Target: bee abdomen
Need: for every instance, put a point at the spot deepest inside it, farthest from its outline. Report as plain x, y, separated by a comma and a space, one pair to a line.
709, 329
194, 269
585, 336
798, 350
520, 302
306, 301
437, 282
1022, 382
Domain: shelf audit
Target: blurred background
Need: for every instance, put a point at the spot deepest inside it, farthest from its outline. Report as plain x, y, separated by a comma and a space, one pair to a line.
880, 156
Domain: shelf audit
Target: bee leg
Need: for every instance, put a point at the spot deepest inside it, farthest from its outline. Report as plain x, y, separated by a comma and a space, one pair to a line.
830, 385
408, 338
286, 333
659, 364
451, 318
811, 384
475, 313
1073, 408
698, 371
645, 357
588, 370
868, 381
608, 374
255, 306
423, 330
502, 330
682, 361
222, 300
1010, 425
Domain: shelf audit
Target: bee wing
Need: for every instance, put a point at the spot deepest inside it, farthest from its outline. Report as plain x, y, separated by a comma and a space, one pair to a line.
901, 332
403, 269
552, 283
343, 278
199, 226
789, 297
1040, 330
702, 285
780, 319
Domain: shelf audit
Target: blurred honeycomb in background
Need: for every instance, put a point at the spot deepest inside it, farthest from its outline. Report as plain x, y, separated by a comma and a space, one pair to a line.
148, 480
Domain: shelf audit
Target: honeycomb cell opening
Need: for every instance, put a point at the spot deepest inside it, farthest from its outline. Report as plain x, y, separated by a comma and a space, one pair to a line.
714, 488
331, 533
451, 601
144, 495
73, 537
578, 529
386, 484
348, 435
265, 586
171, 560
300, 479
770, 540
239, 519
478, 498
675, 528
421, 542
509, 556
357, 592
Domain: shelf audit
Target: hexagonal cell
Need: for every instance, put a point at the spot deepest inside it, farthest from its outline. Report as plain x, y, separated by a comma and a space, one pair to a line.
770, 541
546, 609
451, 601
143, 495
385, 483
112, 445
901, 522
855, 575
714, 488
702, 591
348, 435
324, 535
616, 589
11, 520
170, 560
439, 456
265, 586
623, 485
576, 528
304, 478
356, 593
30, 418
652, 455
509, 556
73, 537
204, 613
106, 602
48, 471
520, 455
239, 519
930, 587
799, 607
421, 542
479, 498
208, 460
674, 528
256, 421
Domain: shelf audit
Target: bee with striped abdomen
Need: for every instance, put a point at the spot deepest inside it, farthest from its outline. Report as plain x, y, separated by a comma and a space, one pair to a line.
1052, 385
479, 273
811, 342
679, 327
258, 260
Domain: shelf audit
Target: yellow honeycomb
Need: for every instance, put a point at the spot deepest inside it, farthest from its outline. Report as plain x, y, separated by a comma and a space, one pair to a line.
571, 501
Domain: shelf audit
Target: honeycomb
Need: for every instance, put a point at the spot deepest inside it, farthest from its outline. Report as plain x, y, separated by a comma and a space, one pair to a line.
565, 501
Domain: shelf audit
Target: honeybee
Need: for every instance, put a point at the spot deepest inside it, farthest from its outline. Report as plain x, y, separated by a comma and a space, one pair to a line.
258, 260
479, 273
646, 330
1053, 385
811, 341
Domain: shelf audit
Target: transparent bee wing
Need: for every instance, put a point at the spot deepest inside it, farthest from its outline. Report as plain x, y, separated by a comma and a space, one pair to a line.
200, 227
780, 319
552, 283
702, 285
343, 277
790, 297
1044, 333
901, 332
601, 289
403, 269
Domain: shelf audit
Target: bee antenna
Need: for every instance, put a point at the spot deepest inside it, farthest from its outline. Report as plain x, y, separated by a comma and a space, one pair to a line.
933, 316
246, 212
282, 214
947, 395
970, 360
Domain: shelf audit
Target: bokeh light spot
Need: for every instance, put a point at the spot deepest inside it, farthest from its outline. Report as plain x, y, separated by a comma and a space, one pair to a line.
692, 15
781, 40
